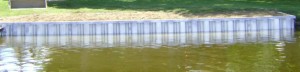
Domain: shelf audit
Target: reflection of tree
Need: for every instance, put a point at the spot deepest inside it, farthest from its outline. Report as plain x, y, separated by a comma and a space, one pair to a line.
253, 58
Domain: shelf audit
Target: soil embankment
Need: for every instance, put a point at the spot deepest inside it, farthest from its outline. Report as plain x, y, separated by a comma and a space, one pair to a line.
143, 15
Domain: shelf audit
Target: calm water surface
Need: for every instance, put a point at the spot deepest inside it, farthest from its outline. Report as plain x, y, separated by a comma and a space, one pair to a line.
73, 54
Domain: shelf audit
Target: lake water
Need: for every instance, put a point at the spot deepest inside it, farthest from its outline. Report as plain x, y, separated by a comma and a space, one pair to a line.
271, 51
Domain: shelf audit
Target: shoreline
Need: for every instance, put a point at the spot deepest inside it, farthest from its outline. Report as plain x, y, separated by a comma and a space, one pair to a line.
140, 15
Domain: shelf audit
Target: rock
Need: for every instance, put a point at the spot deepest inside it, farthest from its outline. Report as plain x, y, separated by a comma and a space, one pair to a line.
297, 23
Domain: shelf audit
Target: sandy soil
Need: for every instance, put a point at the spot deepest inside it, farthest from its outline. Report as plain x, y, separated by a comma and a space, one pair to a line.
143, 15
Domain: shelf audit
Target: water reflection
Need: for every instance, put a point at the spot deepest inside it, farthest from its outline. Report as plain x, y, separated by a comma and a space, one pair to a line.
150, 40
26, 59
212, 52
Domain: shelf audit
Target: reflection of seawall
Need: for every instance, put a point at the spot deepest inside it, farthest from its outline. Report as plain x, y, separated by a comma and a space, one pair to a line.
149, 26
22, 59
152, 39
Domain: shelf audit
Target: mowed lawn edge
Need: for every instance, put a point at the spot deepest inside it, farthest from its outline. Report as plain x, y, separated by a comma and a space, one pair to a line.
181, 8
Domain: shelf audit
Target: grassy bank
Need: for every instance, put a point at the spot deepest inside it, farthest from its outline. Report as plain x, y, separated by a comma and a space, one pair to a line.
182, 7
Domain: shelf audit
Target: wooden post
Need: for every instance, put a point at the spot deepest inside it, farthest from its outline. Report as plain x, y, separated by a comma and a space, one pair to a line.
1, 30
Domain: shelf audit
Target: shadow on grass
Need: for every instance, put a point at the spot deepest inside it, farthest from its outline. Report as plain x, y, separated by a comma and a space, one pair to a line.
191, 6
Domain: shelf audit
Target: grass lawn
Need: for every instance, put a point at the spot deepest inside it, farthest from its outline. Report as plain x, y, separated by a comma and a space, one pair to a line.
182, 7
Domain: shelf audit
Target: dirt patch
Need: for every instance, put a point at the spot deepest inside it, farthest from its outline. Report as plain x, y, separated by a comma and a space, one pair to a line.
143, 15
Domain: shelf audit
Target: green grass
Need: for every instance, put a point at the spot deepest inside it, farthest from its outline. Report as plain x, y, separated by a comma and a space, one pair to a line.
180, 6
